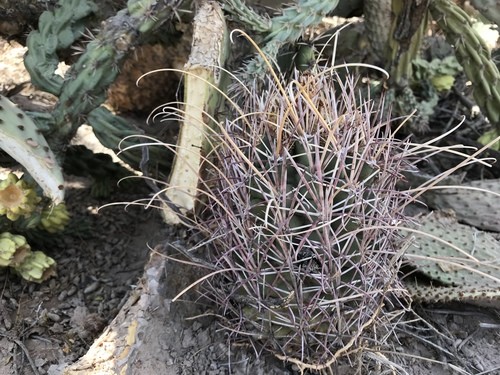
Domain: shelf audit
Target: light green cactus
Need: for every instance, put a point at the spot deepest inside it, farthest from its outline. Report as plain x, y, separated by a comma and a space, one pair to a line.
462, 262
15, 252
36, 267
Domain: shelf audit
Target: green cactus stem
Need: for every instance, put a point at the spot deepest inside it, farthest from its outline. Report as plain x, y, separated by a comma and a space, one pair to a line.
285, 28
57, 30
23, 141
473, 54
84, 87
474, 203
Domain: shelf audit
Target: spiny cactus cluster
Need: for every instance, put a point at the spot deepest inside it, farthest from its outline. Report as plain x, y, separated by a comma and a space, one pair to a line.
462, 262
285, 28
303, 213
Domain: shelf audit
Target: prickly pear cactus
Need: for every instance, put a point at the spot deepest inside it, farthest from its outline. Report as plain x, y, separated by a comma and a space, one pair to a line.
462, 262
474, 203
22, 140
302, 208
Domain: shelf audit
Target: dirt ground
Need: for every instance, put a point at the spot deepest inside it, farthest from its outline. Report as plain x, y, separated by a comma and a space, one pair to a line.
101, 259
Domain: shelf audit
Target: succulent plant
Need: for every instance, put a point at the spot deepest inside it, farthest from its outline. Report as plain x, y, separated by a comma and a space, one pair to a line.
22, 140
461, 262
303, 212
36, 267
13, 249
54, 219
472, 53
83, 89
17, 198
473, 202
15, 252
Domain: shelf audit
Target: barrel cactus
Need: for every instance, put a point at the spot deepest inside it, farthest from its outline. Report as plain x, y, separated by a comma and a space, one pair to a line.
303, 213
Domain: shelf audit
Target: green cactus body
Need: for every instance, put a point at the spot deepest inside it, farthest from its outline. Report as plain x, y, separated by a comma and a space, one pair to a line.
285, 28
83, 89
22, 140
462, 261
57, 30
304, 201
474, 203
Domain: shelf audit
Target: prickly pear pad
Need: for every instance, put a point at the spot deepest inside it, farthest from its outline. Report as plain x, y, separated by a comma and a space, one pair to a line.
22, 140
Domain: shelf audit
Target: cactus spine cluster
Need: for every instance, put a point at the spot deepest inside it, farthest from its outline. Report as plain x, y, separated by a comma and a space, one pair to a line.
304, 203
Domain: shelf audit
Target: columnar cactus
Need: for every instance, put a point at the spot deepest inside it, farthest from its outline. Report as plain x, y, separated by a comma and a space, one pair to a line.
473, 54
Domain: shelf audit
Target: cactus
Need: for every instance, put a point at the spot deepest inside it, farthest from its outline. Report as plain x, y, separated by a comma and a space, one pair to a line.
301, 206
13, 249
54, 219
203, 86
462, 261
58, 30
15, 252
83, 89
22, 140
473, 55
17, 198
37, 267
473, 202
285, 28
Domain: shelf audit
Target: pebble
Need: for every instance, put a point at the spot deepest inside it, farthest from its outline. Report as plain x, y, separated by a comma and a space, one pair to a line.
91, 287
72, 290
53, 316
